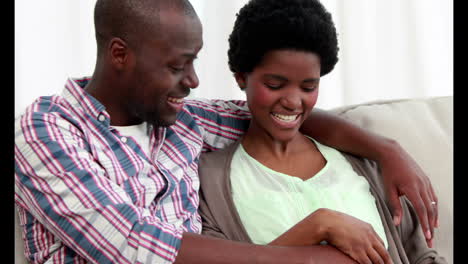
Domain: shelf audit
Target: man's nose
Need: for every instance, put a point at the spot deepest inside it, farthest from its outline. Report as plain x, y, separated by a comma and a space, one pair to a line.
191, 79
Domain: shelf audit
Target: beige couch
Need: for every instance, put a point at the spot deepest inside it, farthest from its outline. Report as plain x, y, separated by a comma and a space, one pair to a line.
424, 127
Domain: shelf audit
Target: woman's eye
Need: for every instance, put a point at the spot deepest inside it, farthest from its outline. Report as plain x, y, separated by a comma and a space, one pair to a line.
273, 86
309, 89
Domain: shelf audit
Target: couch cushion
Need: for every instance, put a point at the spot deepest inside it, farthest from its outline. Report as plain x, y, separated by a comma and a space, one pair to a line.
19, 244
424, 128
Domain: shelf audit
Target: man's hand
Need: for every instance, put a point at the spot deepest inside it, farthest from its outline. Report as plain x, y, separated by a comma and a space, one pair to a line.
403, 176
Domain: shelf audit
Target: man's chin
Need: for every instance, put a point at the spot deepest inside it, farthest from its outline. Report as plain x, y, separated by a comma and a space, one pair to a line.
162, 122
156, 118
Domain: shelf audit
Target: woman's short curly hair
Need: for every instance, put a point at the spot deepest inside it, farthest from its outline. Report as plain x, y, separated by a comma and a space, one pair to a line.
265, 25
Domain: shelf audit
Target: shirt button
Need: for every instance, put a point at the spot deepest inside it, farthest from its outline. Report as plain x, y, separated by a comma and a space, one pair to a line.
102, 118
123, 139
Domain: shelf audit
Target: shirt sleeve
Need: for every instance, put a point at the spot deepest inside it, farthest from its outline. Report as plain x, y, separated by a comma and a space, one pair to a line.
68, 192
222, 122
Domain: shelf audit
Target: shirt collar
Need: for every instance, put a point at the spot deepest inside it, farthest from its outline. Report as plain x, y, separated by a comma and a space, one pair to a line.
76, 95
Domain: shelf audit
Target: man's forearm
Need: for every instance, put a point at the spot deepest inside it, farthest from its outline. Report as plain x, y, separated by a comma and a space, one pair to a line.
339, 133
203, 249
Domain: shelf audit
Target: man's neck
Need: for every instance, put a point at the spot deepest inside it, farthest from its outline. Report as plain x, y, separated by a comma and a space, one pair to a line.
107, 94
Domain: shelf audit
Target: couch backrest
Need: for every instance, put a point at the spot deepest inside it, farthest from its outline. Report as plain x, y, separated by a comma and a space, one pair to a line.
424, 128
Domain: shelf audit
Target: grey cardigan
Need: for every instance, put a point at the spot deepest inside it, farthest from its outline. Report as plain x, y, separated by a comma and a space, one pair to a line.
406, 242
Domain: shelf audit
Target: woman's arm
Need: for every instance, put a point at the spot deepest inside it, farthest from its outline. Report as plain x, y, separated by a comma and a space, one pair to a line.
401, 174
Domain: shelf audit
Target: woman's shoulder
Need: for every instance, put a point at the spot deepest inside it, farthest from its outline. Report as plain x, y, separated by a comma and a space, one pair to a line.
349, 157
219, 154
214, 162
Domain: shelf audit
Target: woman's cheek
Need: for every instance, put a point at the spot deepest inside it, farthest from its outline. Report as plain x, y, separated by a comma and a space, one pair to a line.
313, 99
262, 96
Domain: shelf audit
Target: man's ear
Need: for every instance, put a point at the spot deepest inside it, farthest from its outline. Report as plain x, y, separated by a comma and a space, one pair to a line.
241, 79
119, 53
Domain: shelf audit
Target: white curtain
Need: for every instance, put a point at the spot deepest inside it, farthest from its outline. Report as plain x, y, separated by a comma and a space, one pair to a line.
54, 39
388, 49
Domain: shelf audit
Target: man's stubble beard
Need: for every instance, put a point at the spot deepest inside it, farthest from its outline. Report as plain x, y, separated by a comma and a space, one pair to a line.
151, 117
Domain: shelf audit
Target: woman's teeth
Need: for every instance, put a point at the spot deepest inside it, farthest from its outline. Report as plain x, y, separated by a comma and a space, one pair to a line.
285, 118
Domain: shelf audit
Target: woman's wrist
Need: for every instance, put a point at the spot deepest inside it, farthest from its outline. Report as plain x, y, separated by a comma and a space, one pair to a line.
310, 231
320, 224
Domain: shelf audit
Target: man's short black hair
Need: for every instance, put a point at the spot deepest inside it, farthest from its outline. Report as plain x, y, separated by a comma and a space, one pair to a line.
265, 25
132, 19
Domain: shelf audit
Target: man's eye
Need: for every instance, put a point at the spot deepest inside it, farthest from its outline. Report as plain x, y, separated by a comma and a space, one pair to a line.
177, 69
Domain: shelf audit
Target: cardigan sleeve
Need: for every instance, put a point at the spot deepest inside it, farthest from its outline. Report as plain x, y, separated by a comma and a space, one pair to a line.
212, 207
408, 237
209, 225
413, 238
219, 215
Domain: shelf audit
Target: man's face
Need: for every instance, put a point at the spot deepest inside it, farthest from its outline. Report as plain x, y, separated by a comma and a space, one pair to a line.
164, 72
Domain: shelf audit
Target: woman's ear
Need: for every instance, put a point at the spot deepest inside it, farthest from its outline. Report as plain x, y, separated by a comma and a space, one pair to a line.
241, 79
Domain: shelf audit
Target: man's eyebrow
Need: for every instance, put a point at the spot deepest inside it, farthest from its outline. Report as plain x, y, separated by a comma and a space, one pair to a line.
312, 80
190, 55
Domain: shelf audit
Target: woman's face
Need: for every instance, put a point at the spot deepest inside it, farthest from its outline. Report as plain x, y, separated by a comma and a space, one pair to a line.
281, 92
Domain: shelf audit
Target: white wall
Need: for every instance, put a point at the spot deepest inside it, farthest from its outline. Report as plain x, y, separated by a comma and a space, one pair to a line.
388, 49
54, 39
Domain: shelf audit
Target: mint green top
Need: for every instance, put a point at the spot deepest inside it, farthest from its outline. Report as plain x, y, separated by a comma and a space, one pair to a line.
269, 202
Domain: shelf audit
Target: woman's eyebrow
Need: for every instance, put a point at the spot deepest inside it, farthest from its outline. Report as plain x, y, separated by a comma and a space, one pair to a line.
275, 76
282, 78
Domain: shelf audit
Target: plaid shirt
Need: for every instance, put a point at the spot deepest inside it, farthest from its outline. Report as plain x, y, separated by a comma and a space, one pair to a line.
85, 193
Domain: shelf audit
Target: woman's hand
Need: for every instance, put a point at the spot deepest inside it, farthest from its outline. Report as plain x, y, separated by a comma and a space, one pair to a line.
403, 176
353, 237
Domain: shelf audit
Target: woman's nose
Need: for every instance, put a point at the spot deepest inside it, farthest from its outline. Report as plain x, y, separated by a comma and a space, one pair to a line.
291, 102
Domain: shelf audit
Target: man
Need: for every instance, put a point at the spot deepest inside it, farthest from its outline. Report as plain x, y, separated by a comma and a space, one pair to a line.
106, 172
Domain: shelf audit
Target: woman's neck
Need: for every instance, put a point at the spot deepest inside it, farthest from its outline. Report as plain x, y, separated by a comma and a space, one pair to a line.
260, 144
297, 157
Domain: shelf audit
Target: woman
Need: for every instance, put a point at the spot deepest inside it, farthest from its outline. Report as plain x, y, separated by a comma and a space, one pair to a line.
277, 186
